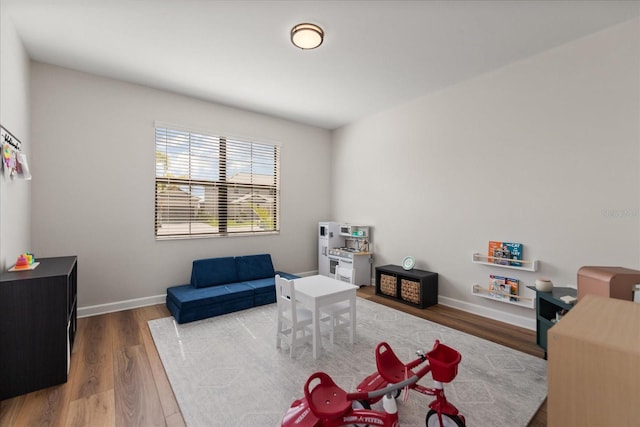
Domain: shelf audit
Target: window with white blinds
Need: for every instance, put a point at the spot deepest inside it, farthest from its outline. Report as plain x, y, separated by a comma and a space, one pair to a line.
214, 185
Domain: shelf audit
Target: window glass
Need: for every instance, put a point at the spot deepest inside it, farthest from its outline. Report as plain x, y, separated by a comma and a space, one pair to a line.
214, 185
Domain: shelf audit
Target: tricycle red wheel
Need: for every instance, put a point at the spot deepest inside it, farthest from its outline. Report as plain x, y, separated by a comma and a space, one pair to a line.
447, 420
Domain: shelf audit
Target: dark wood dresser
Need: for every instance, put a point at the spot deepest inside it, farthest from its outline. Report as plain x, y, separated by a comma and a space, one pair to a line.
38, 312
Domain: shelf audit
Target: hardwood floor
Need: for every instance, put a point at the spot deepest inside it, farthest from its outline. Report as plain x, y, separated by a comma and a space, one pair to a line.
117, 379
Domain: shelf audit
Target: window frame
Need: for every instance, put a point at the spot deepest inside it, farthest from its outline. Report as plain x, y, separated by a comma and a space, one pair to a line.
256, 195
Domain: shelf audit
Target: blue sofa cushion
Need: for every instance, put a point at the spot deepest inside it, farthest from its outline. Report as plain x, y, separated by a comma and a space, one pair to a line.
262, 285
264, 291
214, 272
268, 284
206, 311
252, 267
186, 297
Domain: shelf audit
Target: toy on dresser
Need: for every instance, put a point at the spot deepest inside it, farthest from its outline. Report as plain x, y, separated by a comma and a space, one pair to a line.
25, 261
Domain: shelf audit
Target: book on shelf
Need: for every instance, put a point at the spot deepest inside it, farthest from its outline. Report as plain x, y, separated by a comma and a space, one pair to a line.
497, 286
501, 287
512, 288
505, 253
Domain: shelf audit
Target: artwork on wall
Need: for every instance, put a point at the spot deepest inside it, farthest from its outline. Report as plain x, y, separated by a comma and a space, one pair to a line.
14, 161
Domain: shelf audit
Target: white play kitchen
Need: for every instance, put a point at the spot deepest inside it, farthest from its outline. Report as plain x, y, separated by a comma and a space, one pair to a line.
345, 245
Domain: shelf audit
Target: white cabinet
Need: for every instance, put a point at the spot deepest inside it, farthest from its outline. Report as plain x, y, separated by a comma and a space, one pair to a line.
328, 238
361, 263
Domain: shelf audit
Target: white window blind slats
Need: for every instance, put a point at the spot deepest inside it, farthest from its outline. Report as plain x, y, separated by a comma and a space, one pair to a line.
208, 185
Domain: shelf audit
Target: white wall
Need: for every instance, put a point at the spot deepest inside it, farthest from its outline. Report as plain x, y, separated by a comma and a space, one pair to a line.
15, 231
93, 186
544, 152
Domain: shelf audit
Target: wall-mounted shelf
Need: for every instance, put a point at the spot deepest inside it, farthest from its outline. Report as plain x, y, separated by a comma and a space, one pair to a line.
488, 260
481, 291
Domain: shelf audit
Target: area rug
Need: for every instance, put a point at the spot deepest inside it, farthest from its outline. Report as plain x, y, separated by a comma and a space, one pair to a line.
226, 370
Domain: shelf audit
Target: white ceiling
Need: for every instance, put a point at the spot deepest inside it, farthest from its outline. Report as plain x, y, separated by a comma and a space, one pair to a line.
376, 54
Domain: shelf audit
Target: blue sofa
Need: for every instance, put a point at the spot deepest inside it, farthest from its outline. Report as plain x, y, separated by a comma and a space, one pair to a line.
224, 285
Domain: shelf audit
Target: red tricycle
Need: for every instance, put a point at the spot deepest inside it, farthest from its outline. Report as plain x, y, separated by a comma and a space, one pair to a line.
325, 404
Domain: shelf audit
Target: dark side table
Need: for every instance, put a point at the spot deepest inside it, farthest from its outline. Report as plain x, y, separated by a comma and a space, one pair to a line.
548, 304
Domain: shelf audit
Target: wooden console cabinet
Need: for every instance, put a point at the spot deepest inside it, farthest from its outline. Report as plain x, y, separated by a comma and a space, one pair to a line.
38, 311
594, 365
613, 282
414, 287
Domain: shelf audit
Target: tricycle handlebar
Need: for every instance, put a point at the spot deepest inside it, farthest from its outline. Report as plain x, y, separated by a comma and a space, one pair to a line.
362, 395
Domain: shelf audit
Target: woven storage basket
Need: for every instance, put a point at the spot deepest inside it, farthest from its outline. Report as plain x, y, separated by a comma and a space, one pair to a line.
410, 291
388, 285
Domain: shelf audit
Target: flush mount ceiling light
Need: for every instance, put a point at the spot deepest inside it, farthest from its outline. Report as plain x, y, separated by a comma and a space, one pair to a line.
307, 36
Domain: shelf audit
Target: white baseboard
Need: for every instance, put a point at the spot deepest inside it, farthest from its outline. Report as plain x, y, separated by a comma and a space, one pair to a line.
94, 310
513, 319
494, 314
499, 315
